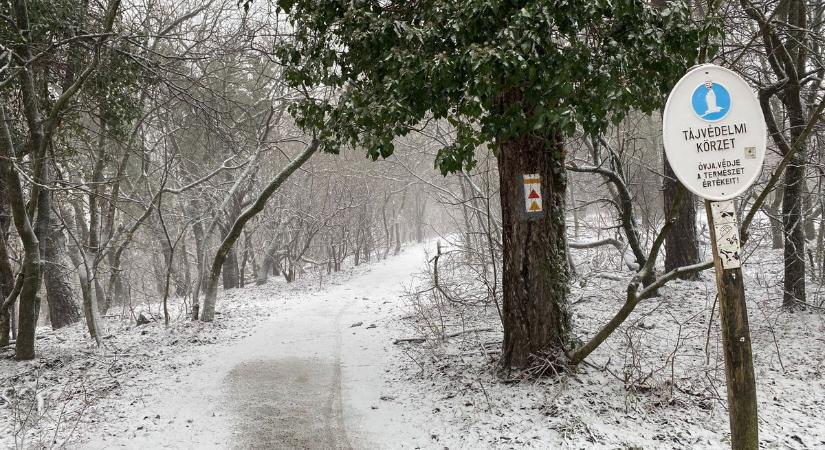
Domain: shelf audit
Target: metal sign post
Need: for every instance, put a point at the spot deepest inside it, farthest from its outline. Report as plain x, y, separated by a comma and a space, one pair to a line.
715, 138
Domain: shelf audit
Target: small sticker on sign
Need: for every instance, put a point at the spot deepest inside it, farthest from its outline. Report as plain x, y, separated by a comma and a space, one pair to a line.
532, 193
726, 229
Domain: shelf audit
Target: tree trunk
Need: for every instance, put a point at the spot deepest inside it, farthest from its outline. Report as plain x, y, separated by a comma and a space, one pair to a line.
397, 239
357, 254
29, 308
89, 284
368, 243
773, 211
6, 271
810, 227
228, 243
793, 212
420, 213
268, 264
681, 244
63, 309
576, 225
387, 235
535, 275
187, 270
230, 270
100, 293
820, 243
91, 311
250, 252
200, 255
793, 221
29, 301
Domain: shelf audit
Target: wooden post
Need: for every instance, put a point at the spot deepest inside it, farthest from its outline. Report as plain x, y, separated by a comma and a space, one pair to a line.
736, 339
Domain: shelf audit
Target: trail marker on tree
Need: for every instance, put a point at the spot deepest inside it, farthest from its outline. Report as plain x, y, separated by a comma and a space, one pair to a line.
532, 194
715, 138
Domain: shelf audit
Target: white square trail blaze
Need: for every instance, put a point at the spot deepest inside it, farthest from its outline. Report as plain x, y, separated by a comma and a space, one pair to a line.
532, 193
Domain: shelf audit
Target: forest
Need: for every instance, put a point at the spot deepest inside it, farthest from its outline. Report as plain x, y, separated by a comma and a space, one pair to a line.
412, 224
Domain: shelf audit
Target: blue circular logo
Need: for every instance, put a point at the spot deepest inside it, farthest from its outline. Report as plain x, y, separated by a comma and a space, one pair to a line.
711, 101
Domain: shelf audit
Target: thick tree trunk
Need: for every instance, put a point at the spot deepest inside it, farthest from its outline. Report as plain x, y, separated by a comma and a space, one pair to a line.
29, 301
681, 244
100, 294
793, 207
29, 308
535, 275
793, 221
244, 259
230, 270
6, 284
63, 309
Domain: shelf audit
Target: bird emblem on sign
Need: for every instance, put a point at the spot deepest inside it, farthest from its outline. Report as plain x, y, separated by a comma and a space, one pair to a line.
711, 101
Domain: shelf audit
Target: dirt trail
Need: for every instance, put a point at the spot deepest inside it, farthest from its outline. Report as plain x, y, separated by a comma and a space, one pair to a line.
287, 403
309, 378
291, 402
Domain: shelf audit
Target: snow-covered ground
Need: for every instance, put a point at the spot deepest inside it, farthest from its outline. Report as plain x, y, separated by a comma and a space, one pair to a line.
313, 364
284, 365
656, 383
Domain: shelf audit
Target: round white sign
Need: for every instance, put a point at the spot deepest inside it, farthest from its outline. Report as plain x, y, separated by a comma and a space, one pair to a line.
714, 133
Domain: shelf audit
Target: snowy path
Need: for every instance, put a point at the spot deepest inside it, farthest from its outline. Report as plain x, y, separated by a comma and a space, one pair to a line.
307, 378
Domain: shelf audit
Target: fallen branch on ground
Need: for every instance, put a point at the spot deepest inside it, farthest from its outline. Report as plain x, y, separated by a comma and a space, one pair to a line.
419, 339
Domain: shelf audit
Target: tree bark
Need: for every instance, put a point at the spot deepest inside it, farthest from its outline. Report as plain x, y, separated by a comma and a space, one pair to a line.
810, 227
63, 309
681, 244
30, 267
793, 221
777, 239
535, 275
230, 269
6, 271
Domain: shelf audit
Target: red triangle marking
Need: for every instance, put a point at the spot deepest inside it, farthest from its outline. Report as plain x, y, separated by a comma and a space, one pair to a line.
533, 194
